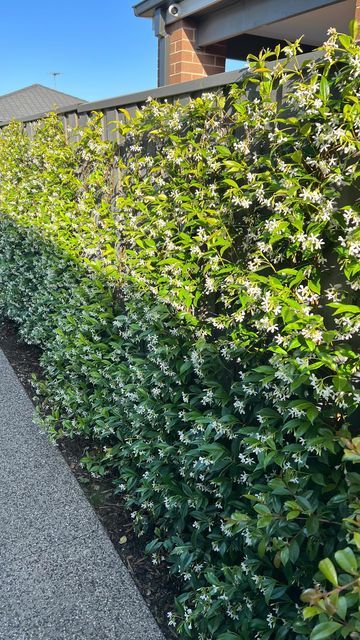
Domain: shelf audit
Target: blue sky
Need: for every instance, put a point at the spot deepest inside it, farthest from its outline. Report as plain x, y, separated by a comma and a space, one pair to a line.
101, 48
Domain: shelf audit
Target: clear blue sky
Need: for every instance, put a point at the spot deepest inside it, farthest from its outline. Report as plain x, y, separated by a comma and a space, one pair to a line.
101, 48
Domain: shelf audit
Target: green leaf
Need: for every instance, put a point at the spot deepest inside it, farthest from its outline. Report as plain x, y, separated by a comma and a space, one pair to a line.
294, 551
341, 384
231, 183
223, 151
312, 525
312, 413
278, 487
264, 521
125, 113
347, 561
297, 156
299, 381
284, 555
346, 41
186, 366
324, 89
305, 504
351, 456
262, 548
328, 570
341, 607
353, 28
292, 515
324, 630
262, 509
343, 308
305, 129
264, 369
357, 539
310, 612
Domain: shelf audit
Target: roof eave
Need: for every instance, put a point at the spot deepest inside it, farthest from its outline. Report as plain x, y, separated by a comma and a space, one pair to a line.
146, 8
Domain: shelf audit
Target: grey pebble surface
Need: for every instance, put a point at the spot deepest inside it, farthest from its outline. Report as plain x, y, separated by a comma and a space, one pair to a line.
60, 576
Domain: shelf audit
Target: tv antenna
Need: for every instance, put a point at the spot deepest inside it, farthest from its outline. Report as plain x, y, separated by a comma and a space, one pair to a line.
54, 74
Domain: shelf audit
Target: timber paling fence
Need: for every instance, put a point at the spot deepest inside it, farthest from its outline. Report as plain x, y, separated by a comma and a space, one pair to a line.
78, 115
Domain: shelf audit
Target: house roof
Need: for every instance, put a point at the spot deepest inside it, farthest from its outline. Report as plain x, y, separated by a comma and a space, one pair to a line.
33, 100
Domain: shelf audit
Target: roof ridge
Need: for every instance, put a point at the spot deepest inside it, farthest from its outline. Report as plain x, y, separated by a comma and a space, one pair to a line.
11, 93
42, 86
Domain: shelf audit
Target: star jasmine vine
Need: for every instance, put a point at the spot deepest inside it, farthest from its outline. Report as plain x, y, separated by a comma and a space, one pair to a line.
195, 290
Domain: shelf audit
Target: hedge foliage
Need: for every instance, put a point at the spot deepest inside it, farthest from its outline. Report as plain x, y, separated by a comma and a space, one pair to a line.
200, 326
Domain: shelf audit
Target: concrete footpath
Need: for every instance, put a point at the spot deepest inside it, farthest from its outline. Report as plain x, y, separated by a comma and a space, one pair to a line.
60, 576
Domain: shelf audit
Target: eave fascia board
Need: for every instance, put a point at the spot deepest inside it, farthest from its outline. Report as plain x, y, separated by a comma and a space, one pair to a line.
193, 7
147, 8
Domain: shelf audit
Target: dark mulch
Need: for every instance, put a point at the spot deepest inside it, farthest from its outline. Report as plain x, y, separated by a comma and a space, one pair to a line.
153, 581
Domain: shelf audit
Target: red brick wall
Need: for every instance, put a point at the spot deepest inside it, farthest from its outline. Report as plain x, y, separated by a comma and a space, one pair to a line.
185, 61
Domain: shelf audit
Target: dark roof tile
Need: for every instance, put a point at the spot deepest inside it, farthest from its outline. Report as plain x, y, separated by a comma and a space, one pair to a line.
33, 100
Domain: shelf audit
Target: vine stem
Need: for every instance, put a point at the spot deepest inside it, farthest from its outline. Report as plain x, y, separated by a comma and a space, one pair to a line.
339, 589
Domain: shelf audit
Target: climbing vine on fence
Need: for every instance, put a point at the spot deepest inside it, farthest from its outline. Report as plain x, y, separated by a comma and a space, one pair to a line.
195, 290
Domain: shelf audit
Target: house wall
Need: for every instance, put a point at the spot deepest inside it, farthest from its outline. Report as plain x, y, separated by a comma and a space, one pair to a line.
185, 61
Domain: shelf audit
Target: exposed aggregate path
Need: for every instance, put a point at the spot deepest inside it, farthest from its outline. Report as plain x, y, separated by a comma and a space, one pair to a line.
60, 576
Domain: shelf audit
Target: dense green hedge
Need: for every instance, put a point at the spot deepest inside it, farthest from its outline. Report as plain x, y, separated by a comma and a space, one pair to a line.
200, 327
